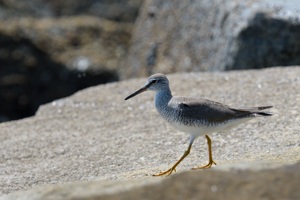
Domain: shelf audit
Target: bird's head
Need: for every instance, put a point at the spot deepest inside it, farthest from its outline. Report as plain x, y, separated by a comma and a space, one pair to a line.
156, 82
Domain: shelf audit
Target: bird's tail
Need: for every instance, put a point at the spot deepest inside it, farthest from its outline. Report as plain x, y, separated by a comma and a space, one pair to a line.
255, 111
263, 113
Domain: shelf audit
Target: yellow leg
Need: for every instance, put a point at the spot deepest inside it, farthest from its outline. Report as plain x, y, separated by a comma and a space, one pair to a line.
169, 171
210, 161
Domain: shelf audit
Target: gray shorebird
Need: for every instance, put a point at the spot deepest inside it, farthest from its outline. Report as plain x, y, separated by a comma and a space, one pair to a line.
195, 116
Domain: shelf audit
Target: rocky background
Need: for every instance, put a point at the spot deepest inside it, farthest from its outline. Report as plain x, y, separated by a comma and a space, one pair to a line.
51, 49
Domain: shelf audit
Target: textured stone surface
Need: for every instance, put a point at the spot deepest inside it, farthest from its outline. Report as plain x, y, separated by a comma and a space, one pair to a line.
275, 184
205, 35
95, 135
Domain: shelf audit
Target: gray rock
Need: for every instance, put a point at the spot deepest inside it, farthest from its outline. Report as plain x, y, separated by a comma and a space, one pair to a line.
95, 135
117, 10
206, 35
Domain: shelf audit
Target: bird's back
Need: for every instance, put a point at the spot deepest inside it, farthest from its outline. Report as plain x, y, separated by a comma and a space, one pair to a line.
199, 112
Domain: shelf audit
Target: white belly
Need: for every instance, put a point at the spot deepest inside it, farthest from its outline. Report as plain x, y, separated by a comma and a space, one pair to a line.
203, 130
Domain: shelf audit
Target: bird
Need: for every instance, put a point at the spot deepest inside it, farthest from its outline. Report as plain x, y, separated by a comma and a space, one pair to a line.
195, 116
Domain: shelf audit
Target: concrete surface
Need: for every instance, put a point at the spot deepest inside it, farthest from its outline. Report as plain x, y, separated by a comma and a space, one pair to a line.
95, 135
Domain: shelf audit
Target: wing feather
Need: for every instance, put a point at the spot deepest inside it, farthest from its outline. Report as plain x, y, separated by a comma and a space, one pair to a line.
213, 112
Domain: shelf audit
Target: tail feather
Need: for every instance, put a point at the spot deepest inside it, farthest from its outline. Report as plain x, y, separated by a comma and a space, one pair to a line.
264, 113
255, 111
264, 107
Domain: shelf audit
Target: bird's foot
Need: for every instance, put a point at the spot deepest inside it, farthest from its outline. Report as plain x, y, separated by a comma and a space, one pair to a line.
210, 163
167, 172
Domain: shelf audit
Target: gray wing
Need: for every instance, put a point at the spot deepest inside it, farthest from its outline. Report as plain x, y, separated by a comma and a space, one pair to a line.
192, 109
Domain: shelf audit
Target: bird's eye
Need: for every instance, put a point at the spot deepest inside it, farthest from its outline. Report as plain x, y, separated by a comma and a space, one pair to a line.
154, 81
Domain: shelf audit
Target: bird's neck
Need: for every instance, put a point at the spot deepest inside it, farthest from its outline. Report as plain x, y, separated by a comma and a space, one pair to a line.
162, 98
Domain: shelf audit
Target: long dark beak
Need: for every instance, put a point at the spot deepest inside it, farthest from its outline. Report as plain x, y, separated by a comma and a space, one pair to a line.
143, 89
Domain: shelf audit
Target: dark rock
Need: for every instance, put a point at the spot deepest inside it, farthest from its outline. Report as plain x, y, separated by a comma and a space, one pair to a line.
205, 35
29, 78
267, 42
49, 58
43, 60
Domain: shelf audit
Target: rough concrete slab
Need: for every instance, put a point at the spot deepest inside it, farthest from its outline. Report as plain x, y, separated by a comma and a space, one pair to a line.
95, 135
